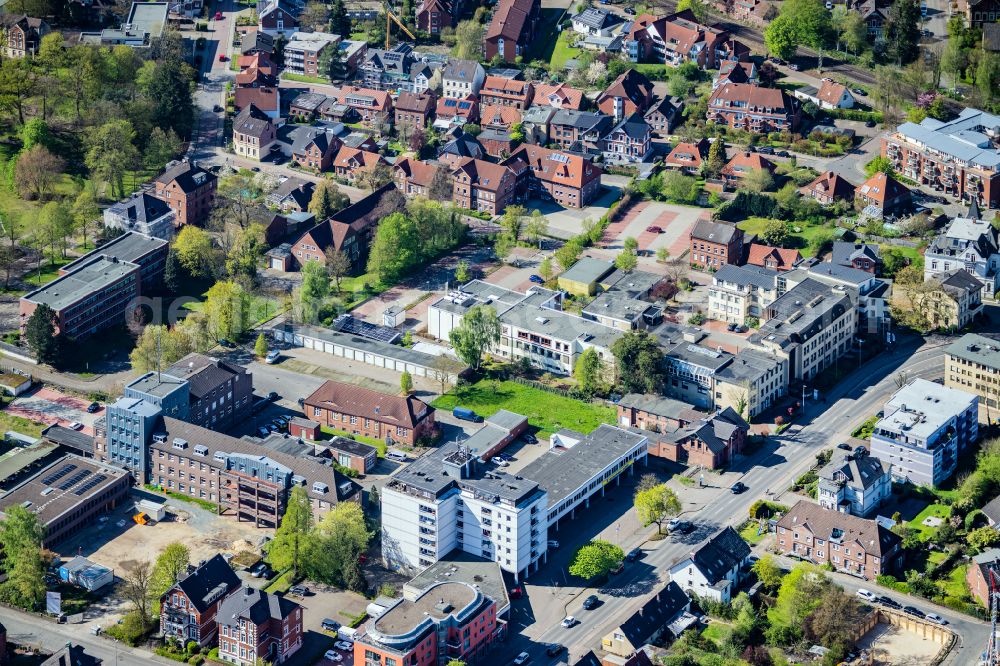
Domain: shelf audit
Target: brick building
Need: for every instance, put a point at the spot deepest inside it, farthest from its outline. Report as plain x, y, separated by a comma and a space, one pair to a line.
361, 411
483, 186
714, 244
221, 393
414, 110
413, 177
753, 108
351, 454
188, 610
630, 93
257, 626
710, 443
188, 189
568, 179
502, 91
511, 30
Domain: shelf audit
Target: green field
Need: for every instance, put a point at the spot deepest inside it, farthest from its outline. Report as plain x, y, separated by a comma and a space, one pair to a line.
940, 510
749, 533
20, 424
800, 240
562, 51
304, 79
546, 411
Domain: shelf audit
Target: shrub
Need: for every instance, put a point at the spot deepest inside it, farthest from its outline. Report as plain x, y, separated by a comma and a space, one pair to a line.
196, 660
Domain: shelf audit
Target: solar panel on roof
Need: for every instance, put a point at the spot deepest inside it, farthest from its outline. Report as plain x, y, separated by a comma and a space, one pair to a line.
55, 476
347, 324
90, 484
73, 480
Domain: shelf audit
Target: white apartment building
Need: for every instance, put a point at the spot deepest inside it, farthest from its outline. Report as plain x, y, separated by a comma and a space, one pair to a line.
738, 292
854, 483
871, 295
461, 78
967, 243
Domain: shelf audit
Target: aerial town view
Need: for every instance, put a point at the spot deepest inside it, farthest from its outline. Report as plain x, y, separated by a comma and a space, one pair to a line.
500, 332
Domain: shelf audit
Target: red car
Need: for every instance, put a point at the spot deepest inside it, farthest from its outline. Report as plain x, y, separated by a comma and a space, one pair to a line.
222, 58
654, 230
218, 16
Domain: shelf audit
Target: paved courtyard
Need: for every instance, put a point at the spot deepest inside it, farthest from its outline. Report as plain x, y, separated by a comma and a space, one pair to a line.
54, 408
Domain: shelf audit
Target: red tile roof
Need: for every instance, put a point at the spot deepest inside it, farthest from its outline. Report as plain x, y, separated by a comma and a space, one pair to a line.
497, 115
358, 401
266, 98
555, 166
831, 92
484, 175
776, 258
353, 158
688, 154
509, 19
829, 184
881, 188
560, 96
415, 171
743, 163
753, 96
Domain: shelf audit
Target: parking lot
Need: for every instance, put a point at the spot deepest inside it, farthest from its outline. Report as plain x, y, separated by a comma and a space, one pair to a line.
323, 601
54, 408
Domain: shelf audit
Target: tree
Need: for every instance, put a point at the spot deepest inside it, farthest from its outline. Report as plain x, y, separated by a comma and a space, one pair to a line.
478, 331
468, 40
768, 572
512, 221
315, 16
799, 594
240, 195
292, 536
111, 153
588, 371
159, 347
759, 180
654, 505
776, 233
137, 579
536, 227
335, 547
18, 84
462, 274
244, 257
545, 269
227, 307
35, 132
40, 335
395, 248
982, 538
21, 535
406, 383
376, 176
893, 261
442, 186
338, 265
56, 222
626, 261
835, 620
169, 568
86, 213
327, 200
680, 188
314, 291
260, 347
716, 158
902, 31
196, 252
171, 91
163, 146
568, 254
640, 362
988, 75
340, 22
36, 171
781, 37
173, 273
880, 164
853, 32
596, 559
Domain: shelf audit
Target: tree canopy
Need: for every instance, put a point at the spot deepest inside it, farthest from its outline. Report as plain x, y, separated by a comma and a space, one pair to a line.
595, 559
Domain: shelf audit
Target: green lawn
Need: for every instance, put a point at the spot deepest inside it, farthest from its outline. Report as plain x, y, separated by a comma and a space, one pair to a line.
20, 424
370, 441
546, 411
954, 585
262, 308
801, 239
562, 51
47, 272
304, 79
717, 631
749, 533
914, 254
940, 510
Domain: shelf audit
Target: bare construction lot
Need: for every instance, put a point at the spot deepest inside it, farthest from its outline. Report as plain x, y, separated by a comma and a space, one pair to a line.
897, 646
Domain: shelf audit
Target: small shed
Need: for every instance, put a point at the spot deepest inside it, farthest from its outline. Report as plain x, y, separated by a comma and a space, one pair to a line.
280, 258
393, 316
15, 384
303, 428
83, 573
155, 510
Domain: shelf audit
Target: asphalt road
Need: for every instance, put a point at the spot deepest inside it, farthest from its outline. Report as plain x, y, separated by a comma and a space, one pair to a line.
775, 466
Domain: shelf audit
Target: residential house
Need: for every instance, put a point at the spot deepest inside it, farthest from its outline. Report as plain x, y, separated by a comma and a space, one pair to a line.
629, 93
753, 108
983, 574
498, 117
710, 442
736, 72
353, 164
949, 300
569, 180
414, 110
714, 244
773, 258
969, 243
462, 78
828, 188
714, 570
277, 17
500, 91
451, 112
688, 157
461, 147
291, 195
253, 133
361, 411
373, 106
435, 15
629, 141
254, 42
980, 13
854, 483
637, 41
305, 107
882, 194
649, 624
875, 15
424, 78
315, 149
924, 429
680, 38
305, 51
348, 453
655, 413
954, 156
142, 213
596, 22
414, 177
22, 34
388, 69
536, 123
257, 626
740, 292
865, 257
829, 95
848, 543
743, 164
483, 186
188, 189
511, 30
557, 96
581, 132
189, 608
266, 97
664, 115
972, 363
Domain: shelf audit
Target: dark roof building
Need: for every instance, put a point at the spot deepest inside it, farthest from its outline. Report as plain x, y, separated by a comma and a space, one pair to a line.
649, 624
713, 570
70, 655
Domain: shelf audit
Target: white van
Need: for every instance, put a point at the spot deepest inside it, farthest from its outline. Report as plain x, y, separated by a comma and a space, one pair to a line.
397, 456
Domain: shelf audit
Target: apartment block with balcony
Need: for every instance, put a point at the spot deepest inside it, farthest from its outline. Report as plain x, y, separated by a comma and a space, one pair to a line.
924, 429
739, 292
304, 51
959, 158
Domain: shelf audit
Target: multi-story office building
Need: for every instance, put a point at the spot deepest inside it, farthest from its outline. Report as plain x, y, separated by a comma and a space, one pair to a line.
449, 621
972, 364
924, 429
221, 393
811, 326
854, 483
960, 157
691, 371
871, 295
754, 380
146, 252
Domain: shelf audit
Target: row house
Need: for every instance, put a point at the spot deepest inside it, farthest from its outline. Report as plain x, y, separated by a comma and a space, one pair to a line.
414, 110
188, 189
536, 123
959, 158
772, 258
736, 72
557, 96
315, 150
253, 133
501, 91
483, 186
361, 411
258, 627
664, 115
371, 105
511, 30
848, 543
189, 608
752, 108
980, 13
265, 96
629, 93
462, 146
456, 112
498, 117
570, 180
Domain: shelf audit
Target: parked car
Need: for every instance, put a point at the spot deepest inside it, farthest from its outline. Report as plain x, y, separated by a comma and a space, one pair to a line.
679, 526
93, 408
272, 396
226, 343
222, 58
516, 592
766, 150
783, 153
844, 446
869, 123
555, 650
258, 570
867, 595
299, 590
217, 109
777, 61
630, 11
936, 619
529, 438
792, 66
301, 401
522, 658
218, 16
537, 279
859, 91
333, 655
569, 621
739, 487
466, 415
553, 544
591, 602
343, 645
915, 612
889, 602
500, 462
263, 432
75, 425
329, 625
634, 554
653, 229
272, 357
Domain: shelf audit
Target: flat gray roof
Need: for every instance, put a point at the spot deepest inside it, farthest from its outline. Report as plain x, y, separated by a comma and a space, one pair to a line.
977, 349
617, 306
88, 278
748, 365
149, 17
130, 246
562, 471
588, 270
157, 384
461, 566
